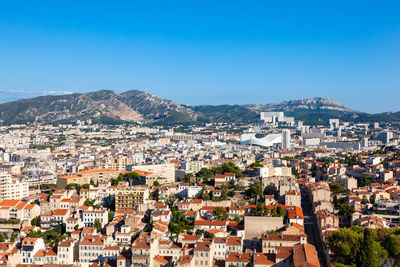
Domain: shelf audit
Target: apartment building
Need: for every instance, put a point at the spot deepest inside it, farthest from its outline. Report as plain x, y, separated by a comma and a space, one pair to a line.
91, 248
293, 198
89, 217
165, 172
29, 247
12, 188
118, 162
18, 210
271, 241
86, 176
131, 197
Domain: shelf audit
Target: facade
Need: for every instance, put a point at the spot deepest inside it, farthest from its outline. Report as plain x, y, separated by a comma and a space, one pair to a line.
30, 246
11, 188
293, 198
285, 139
130, 198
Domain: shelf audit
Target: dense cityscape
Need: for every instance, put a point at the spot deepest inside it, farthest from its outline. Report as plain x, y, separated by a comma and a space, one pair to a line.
274, 193
199, 133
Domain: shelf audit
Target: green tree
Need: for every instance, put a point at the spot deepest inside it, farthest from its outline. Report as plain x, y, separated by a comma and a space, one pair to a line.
179, 222
220, 214
115, 181
255, 190
204, 173
371, 252
88, 202
110, 215
98, 226
364, 181
228, 167
156, 183
224, 192
336, 189
1, 237
73, 186
85, 186
364, 200
34, 222
208, 235
345, 244
13, 237
187, 177
392, 245
280, 211
76, 227
199, 232
59, 229
255, 164
345, 209
261, 210
206, 197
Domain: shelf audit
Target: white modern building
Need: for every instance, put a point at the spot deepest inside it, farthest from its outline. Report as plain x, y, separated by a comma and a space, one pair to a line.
260, 139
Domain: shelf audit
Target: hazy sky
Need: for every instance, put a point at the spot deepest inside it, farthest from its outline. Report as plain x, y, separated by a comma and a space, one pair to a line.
205, 52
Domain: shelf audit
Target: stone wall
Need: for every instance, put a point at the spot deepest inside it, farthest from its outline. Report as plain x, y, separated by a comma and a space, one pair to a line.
255, 226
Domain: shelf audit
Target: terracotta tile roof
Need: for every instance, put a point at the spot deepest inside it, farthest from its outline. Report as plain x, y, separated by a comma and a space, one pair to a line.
60, 212
283, 252
211, 223
202, 246
9, 202
305, 255
95, 171
185, 259
262, 258
93, 240
280, 237
238, 257
234, 241
189, 238
66, 243
162, 259
141, 245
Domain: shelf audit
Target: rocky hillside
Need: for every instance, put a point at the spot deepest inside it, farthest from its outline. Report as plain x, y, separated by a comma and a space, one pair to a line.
316, 103
107, 106
101, 106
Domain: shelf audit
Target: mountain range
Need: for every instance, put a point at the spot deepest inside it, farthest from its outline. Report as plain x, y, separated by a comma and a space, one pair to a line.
134, 106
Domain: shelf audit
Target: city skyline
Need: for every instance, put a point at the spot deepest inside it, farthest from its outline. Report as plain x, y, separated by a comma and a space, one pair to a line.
194, 54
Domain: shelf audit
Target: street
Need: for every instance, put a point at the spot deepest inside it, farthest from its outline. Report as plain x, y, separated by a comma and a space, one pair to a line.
311, 229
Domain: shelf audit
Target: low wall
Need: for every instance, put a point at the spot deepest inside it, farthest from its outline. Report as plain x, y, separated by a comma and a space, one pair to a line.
255, 226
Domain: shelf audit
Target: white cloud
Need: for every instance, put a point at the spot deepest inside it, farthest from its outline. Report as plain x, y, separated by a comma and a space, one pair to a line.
12, 91
53, 92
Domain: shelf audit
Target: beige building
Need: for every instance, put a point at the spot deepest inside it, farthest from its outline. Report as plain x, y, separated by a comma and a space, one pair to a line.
293, 198
165, 172
91, 248
130, 198
271, 241
118, 162
203, 254
67, 251
85, 177
18, 210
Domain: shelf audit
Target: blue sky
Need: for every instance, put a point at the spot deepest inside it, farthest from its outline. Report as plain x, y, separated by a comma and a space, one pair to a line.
205, 52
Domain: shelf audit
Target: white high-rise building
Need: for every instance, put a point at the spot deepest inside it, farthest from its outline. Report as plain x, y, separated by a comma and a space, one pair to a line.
285, 139
11, 188
364, 142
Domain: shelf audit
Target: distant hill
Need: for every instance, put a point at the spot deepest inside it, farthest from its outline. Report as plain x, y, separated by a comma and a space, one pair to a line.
136, 106
316, 103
